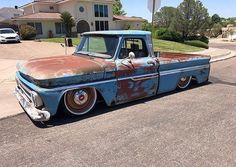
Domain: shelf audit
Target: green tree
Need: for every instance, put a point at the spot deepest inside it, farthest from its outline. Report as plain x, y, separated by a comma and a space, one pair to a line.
117, 8
216, 30
68, 22
192, 18
215, 19
146, 26
165, 18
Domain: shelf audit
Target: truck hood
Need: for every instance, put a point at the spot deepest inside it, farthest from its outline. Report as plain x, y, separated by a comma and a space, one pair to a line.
60, 66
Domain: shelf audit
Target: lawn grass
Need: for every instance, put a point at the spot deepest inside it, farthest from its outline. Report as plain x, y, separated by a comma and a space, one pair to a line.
169, 46
75, 41
159, 45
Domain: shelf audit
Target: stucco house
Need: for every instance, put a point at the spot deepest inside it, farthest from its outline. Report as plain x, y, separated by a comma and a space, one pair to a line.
8, 13
229, 32
89, 15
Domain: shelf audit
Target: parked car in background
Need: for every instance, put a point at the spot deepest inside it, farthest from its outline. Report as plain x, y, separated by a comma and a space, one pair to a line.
8, 35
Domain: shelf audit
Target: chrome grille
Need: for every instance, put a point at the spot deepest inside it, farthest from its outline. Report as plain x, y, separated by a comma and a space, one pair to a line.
24, 88
10, 38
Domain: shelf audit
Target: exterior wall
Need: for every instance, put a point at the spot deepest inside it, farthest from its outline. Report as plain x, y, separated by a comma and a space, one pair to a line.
46, 8
120, 25
232, 37
36, 8
46, 27
28, 10
88, 14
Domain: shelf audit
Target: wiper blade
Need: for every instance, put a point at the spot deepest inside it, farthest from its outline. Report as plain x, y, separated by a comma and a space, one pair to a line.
85, 53
91, 54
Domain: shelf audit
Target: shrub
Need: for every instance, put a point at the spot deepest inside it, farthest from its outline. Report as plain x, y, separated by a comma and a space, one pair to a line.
199, 38
168, 35
27, 32
197, 43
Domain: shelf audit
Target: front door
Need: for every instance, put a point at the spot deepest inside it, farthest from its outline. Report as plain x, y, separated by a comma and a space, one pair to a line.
82, 26
137, 75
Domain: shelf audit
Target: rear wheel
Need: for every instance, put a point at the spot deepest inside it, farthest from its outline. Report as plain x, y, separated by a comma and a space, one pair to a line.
80, 101
184, 82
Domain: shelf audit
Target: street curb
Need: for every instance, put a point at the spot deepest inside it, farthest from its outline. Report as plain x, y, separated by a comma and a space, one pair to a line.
223, 57
11, 116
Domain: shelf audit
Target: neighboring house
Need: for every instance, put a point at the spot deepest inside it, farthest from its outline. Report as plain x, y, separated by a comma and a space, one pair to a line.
229, 32
89, 15
2, 19
8, 13
124, 22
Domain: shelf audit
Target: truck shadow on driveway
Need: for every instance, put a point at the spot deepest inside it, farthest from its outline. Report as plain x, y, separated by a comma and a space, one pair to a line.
101, 108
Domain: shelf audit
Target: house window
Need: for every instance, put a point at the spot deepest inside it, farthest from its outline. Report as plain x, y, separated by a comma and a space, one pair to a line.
51, 8
38, 27
60, 28
101, 25
81, 9
101, 10
16, 15
96, 10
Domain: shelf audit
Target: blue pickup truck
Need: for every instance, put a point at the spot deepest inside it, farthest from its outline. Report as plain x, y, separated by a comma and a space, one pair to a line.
113, 66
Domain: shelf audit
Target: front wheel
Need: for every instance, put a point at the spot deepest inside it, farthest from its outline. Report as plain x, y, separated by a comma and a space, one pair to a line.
80, 101
184, 82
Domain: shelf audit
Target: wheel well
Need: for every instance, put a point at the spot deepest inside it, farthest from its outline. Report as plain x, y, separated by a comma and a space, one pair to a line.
61, 103
100, 98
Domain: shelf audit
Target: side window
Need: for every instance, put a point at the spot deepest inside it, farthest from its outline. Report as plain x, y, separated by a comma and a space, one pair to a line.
136, 45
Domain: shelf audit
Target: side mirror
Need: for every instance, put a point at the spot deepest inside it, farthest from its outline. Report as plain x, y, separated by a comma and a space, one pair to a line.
131, 55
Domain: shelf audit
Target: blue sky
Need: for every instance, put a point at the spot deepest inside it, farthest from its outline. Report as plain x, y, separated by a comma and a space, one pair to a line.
225, 8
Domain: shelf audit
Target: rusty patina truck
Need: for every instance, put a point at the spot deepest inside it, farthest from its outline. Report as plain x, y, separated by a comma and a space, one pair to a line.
113, 66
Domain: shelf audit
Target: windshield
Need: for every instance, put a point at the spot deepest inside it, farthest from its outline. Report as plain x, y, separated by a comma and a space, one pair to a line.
8, 31
98, 46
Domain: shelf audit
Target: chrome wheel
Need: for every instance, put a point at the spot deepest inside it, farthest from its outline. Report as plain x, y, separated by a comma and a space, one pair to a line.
80, 101
184, 82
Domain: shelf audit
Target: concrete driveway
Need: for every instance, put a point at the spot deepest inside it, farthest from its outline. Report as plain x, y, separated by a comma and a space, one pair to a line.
10, 55
31, 49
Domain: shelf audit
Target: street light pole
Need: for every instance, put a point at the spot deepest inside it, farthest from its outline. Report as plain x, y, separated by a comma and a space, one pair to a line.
153, 12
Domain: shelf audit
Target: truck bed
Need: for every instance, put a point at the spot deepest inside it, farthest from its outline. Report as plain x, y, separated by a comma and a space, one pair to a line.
166, 57
169, 61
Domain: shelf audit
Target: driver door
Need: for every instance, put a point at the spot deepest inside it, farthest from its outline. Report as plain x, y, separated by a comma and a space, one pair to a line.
137, 75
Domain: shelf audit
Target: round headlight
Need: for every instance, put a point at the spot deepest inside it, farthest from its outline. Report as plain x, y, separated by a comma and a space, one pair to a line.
36, 99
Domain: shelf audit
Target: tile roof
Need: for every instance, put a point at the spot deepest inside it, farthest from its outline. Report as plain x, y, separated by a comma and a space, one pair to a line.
40, 16
126, 18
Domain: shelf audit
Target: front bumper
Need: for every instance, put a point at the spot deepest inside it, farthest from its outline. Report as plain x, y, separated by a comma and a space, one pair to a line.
9, 40
34, 113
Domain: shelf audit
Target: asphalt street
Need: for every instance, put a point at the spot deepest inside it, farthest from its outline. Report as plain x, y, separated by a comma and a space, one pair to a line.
196, 127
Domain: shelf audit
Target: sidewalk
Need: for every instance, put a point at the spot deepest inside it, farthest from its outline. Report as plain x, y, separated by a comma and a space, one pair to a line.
217, 54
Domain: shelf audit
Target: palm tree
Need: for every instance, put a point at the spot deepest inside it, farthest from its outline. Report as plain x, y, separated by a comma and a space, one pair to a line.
68, 21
